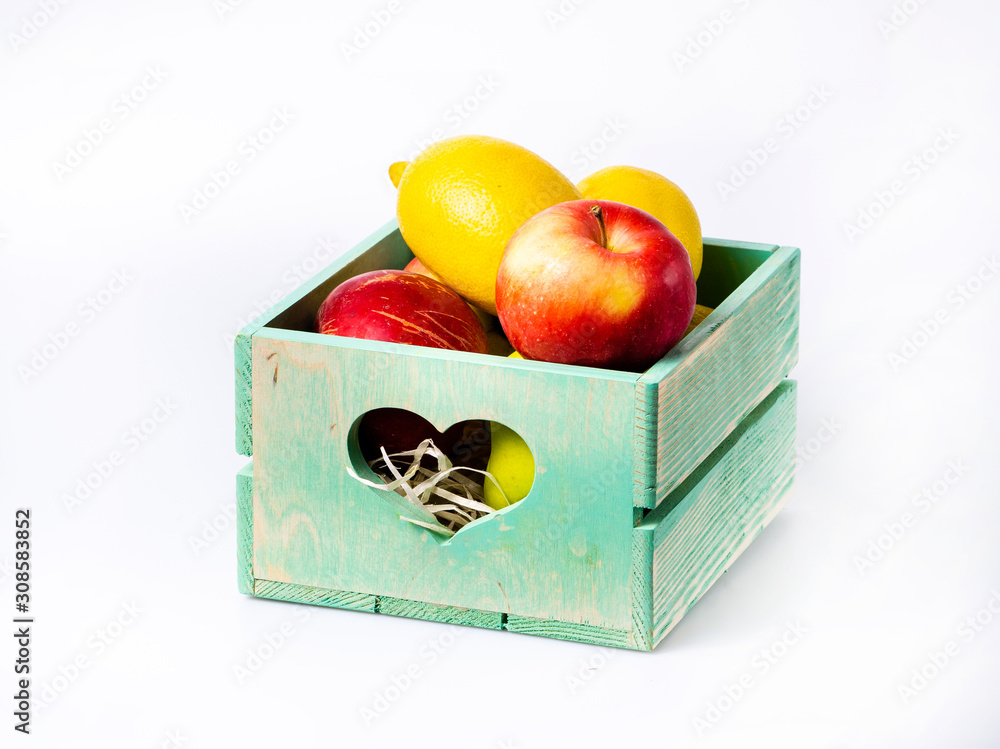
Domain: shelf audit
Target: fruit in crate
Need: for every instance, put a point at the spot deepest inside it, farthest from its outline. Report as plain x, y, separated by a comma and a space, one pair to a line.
511, 464
653, 193
401, 307
462, 198
597, 283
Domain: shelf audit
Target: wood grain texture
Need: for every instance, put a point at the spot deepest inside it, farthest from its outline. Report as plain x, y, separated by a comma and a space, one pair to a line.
720, 372
715, 514
244, 398
563, 552
435, 613
339, 599
645, 444
641, 636
244, 528
567, 631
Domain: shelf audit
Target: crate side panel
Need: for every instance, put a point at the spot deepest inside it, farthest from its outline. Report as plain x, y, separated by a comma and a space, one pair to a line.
244, 528
564, 552
706, 394
722, 508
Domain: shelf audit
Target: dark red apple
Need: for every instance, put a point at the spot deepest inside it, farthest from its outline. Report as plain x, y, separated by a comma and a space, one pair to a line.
398, 430
596, 283
401, 307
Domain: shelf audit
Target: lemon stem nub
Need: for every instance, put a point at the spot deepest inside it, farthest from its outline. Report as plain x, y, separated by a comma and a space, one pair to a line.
596, 210
396, 171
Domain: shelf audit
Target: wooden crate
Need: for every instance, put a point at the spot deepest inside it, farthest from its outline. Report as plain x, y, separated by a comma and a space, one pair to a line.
647, 486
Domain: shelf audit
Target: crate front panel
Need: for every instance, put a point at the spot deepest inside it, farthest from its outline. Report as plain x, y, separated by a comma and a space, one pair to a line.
562, 553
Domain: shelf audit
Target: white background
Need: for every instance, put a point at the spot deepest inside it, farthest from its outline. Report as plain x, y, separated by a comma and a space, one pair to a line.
169, 676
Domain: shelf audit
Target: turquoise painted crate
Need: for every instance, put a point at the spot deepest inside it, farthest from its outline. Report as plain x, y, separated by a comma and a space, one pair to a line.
647, 486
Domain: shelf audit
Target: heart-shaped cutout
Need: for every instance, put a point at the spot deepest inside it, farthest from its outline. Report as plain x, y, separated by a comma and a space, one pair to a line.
442, 481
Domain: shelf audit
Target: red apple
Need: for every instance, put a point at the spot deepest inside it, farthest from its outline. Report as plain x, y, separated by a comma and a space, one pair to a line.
596, 283
401, 307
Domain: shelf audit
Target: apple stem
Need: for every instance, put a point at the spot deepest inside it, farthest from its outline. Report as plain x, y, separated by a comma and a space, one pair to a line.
596, 210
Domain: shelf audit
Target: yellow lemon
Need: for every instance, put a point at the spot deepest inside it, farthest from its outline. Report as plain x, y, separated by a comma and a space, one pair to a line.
511, 464
515, 355
460, 200
654, 194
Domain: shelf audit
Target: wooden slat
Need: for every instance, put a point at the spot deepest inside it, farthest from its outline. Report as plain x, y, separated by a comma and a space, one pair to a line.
721, 508
645, 444
339, 599
436, 613
567, 631
244, 399
244, 528
641, 636
722, 370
